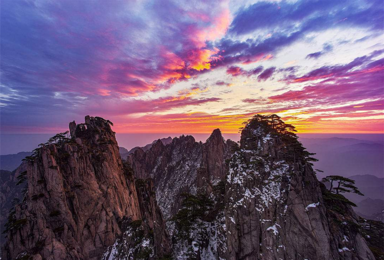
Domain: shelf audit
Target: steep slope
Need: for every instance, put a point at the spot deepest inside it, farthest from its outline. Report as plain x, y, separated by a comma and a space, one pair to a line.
11, 192
81, 198
274, 207
183, 166
257, 200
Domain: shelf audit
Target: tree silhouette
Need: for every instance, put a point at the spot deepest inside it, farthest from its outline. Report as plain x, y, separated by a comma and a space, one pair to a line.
343, 185
292, 149
59, 138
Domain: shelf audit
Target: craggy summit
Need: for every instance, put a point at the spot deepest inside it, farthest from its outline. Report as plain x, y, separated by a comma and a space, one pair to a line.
259, 199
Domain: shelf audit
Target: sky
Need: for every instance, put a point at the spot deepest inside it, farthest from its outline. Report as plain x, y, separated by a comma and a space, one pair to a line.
192, 66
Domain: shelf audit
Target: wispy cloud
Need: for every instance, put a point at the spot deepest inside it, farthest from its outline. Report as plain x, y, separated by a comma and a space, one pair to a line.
137, 60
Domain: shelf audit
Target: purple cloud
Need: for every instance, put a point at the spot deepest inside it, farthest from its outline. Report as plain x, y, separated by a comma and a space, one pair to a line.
316, 55
237, 71
289, 22
334, 71
68, 57
222, 83
266, 74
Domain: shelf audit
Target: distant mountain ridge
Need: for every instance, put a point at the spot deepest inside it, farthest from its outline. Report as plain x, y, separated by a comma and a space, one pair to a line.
180, 199
371, 186
346, 156
10, 162
250, 215
125, 153
370, 208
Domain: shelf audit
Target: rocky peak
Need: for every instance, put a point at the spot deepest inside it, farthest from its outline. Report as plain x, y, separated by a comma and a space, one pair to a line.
215, 152
158, 145
181, 166
216, 136
274, 207
259, 200
80, 199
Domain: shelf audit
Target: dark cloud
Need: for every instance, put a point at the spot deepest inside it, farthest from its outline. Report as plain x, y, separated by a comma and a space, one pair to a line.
254, 100
266, 74
311, 15
222, 83
64, 58
237, 71
334, 71
289, 22
340, 84
315, 55
73, 49
256, 70
327, 48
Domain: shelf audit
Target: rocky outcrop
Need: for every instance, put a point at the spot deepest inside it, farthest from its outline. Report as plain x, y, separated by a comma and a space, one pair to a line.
269, 206
12, 190
183, 166
139, 237
373, 232
257, 200
80, 199
275, 207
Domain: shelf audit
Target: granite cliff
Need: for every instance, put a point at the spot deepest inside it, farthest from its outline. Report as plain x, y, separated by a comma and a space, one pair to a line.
181, 199
80, 199
183, 166
256, 200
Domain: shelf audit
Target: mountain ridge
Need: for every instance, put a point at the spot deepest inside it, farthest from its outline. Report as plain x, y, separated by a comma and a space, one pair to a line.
185, 199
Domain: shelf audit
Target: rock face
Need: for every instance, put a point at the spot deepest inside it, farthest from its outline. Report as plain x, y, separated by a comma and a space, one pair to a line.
183, 166
265, 203
10, 193
275, 207
139, 234
256, 200
80, 199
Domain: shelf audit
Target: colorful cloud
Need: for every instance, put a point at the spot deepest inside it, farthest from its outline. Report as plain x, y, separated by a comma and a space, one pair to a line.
147, 65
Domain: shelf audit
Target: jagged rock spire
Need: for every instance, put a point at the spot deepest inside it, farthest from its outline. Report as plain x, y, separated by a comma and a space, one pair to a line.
81, 198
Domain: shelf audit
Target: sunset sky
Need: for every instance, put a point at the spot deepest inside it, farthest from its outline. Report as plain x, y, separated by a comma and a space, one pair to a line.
192, 66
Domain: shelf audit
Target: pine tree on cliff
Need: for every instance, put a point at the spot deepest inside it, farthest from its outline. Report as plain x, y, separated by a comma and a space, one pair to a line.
293, 150
343, 185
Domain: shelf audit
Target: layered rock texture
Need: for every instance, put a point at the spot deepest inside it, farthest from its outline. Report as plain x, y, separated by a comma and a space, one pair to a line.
12, 189
275, 207
183, 166
259, 199
80, 199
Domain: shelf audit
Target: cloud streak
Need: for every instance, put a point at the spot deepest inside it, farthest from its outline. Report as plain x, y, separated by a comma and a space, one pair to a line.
140, 59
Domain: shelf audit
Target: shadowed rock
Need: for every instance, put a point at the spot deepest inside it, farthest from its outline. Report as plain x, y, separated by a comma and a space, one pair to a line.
80, 199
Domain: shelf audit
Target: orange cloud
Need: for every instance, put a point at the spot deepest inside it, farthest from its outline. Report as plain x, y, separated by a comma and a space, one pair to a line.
217, 30
200, 59
204, 123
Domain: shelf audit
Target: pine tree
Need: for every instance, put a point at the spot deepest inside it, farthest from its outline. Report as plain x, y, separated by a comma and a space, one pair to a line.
343, 185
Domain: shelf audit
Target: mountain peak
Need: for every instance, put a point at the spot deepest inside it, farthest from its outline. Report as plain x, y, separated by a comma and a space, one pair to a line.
76, 186
223, 201
215, 136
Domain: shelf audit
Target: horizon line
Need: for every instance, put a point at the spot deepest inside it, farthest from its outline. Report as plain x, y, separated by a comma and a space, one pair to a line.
189, 133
